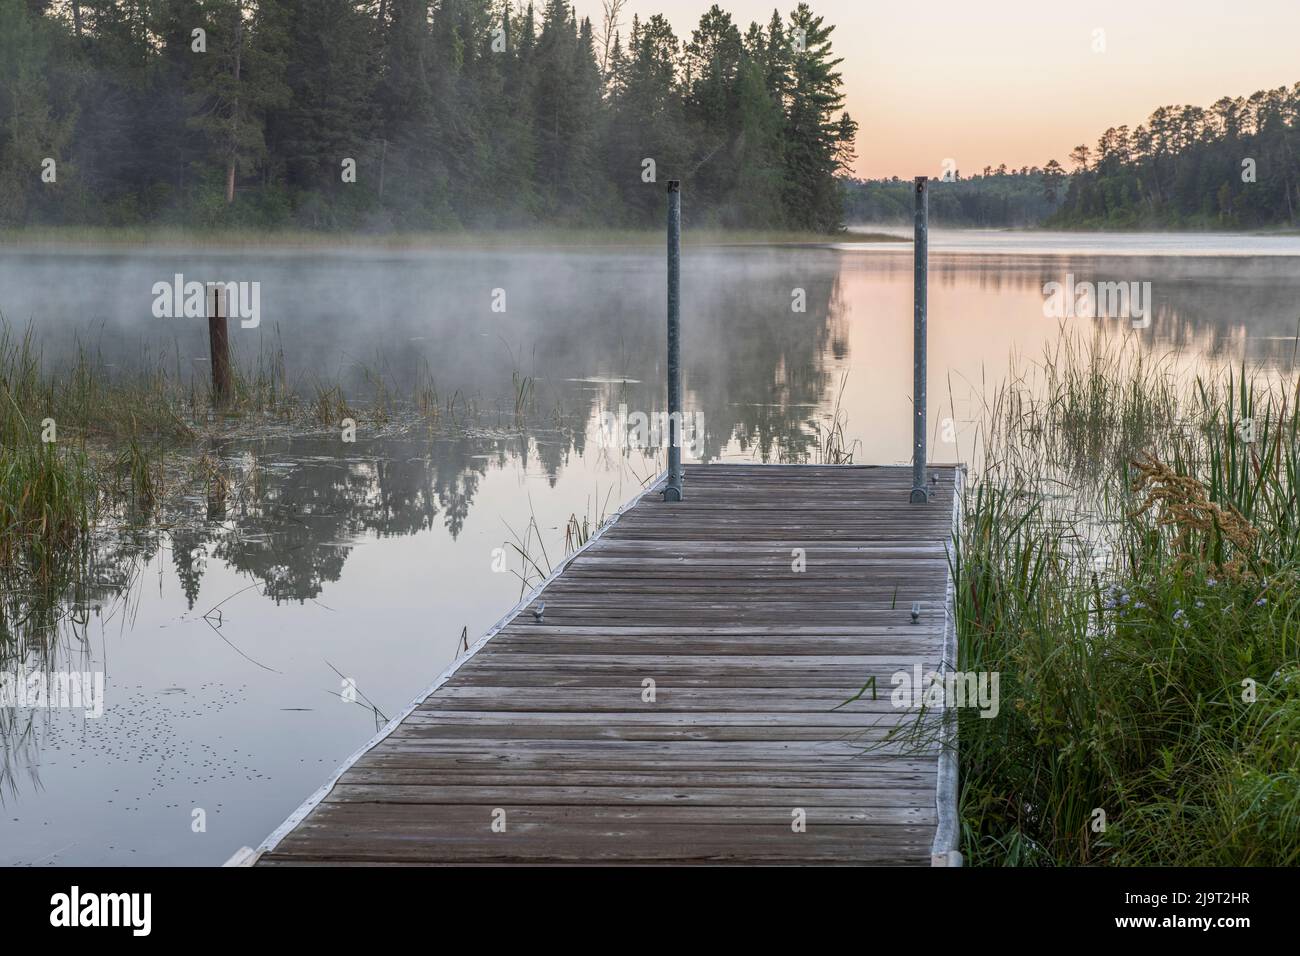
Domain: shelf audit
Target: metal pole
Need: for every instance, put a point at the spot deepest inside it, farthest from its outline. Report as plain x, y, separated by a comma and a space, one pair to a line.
673, 490
219, 345
920, 251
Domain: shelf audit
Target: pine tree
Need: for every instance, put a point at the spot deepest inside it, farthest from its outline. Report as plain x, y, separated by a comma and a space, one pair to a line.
648, 119
328, 115
171, 78
34, 125
815, 140
712, 92
238, 81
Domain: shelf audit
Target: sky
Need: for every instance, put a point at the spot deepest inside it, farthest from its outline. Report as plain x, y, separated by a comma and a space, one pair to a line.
1018, 81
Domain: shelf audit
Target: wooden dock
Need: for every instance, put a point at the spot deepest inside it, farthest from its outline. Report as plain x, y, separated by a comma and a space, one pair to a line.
549, 744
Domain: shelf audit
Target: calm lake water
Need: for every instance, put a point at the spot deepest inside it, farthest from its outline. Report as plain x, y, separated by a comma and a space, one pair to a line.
222, 639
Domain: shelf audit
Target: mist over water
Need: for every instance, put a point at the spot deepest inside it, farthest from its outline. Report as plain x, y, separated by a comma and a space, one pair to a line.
373, 560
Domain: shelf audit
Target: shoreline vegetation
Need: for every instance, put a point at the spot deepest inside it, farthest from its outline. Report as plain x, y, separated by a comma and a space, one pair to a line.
542, 237
1129, 564
54, 238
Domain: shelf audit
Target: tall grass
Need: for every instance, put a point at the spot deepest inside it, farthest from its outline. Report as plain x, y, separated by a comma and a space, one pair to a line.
46, 496
833, 448
46, 491
1128, 565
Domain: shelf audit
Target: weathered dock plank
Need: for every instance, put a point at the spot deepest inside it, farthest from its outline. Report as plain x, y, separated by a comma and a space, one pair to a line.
542, 747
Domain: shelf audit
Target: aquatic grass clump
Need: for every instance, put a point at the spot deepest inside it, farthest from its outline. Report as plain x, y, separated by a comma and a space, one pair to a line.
1075, 413
426, 394
261, 390
523, 387
138, 472
1148, 712
81, 401
47, 493
330, 406
576, 533
47, 497
1128, 564
1205, 716
833, 448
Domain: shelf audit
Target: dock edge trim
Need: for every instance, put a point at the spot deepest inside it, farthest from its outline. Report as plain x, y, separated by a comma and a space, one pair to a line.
946, 848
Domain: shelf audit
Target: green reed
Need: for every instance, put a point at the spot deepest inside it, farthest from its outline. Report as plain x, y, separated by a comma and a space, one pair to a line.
1149, 649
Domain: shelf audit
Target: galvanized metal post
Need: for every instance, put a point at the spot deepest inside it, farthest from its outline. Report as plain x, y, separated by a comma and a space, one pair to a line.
673, 490
920, 251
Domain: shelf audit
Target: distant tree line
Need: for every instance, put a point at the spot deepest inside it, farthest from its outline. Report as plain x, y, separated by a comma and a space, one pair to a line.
998, 197
1234, 165
455, 113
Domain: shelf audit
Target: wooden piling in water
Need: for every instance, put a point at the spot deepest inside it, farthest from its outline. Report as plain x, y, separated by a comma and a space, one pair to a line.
219, 344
